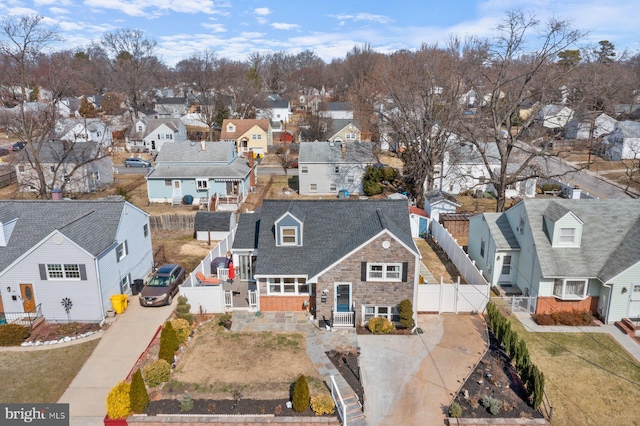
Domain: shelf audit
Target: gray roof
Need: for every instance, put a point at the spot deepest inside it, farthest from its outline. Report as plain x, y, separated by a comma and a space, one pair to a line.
331, 230
212, 221
237, 169
501, 232
336, 125
152, 125
90, 224
556, 211
337, 106
331, 152
63, 152
436, 195
172, 101
610, 237
468, 153
218, 152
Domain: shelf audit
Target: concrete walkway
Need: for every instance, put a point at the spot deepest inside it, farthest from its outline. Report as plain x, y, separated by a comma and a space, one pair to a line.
111, 361
410, 380
629, 344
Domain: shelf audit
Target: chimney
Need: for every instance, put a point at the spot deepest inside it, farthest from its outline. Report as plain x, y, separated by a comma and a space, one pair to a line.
576, 193
343, 147
203, 145
252, 177
56, 194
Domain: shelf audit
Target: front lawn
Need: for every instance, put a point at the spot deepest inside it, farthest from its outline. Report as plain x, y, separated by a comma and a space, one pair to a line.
41, 376
590, 379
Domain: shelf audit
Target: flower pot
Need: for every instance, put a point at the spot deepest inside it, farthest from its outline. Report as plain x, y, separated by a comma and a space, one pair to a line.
108, 421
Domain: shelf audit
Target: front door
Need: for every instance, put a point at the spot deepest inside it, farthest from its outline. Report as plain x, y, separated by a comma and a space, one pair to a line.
177, 189
634, 302
343, 298
505, 272
28, 299
246, 263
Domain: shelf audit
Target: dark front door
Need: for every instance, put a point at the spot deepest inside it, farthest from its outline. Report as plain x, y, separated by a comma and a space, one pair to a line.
343, 297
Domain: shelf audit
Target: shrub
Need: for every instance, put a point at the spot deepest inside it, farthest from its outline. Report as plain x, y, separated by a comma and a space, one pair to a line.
186, 403
182, 329
222, 319
168, 343
157, 372
300, 399
406, 313
380, 325
138, 393
183, 310
119, 401
322, 403
455, 410
123, 193
491, 404
571, 318
13, 334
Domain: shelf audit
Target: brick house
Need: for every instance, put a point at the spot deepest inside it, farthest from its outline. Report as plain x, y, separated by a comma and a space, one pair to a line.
346, 261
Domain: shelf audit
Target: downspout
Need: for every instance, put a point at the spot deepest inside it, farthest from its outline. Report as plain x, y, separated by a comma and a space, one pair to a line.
95, 261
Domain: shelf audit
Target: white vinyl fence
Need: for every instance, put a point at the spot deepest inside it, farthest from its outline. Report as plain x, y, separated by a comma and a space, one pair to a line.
209, 299
452, 298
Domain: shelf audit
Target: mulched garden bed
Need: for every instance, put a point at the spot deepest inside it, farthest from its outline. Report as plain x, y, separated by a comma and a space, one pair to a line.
277, 407
52, 331
346, 361
495, 377
398, 331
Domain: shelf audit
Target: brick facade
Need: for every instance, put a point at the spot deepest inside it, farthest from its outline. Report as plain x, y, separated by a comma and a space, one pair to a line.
367, 293
283, 303
547, 305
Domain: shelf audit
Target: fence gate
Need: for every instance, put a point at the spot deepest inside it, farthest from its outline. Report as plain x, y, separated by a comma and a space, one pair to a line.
448, 298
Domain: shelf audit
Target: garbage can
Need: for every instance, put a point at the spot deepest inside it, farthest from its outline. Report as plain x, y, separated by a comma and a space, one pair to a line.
119, 302
136, 287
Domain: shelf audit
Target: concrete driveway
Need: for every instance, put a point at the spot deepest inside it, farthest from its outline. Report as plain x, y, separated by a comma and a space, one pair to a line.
111, 361
410, 380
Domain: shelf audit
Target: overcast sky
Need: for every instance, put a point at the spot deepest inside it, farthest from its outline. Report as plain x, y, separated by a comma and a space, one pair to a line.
236, 28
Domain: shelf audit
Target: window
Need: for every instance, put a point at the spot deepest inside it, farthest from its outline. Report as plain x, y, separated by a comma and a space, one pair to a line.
167, 182
169, 136
304, 170
202, 184
350, 136
384, 271
230, 128
313, 187
288, 235
389, 312
139, 127
124, 284
482, 247
350, 179
160, 136
21, 168
567, 236
52, 169
145, 230
96, 176
66, 177
332, 187
256, 137
336, 169
520, 227
57, 271
569, 289
287, 285
122, 251
506, 265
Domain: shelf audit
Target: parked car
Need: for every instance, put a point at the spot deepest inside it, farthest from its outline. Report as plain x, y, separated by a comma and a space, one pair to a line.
163, 285
4, 151
136, 162
17, 146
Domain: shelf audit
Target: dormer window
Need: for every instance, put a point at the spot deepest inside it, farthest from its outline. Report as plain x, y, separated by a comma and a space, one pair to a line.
289, 228
230, 128
288, 236
567, 236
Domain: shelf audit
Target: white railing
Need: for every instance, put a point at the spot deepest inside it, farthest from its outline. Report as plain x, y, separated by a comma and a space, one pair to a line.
228, 299
223, 274
337, 398
253, 299
343, 319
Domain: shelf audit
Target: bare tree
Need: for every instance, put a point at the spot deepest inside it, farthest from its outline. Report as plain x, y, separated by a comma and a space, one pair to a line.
508, 78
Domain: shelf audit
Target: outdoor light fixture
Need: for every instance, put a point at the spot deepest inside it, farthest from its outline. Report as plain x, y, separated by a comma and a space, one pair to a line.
624, 290
8, 289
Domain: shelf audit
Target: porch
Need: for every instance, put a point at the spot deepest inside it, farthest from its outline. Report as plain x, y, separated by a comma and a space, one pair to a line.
31, 319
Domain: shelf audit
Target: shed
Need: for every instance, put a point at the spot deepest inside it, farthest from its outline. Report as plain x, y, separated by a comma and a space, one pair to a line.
213, 226
458, 226
419, 222
437, 202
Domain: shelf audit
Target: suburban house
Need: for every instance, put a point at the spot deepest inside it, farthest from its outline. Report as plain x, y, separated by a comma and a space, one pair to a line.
346, 267
249, 134
149, 134
84, 253
589, 128
623, 143
568, 254
276, 110
84, 130
325, 168
554, 116
172, 107
336, 110
213, 226
463, 168
73, 167
211, 173
343, 131
437, 201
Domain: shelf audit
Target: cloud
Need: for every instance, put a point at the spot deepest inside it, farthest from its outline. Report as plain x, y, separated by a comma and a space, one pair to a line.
49, 2
262, 11
216, 28
363, 16
157, 7
283, 26
262, 21
58, 11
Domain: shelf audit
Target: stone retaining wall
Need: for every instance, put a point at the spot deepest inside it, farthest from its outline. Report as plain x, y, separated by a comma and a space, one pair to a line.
195, 420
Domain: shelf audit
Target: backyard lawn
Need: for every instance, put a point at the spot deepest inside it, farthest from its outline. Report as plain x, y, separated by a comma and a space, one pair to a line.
41, 376
590, 379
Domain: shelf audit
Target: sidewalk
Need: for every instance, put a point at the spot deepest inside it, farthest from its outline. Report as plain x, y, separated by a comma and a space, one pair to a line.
629, 344
111, 361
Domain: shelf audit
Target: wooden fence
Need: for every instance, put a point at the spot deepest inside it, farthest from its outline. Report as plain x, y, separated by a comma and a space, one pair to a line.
172, 222
7, 179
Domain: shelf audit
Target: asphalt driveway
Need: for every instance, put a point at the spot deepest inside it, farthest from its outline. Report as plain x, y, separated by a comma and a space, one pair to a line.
410, 380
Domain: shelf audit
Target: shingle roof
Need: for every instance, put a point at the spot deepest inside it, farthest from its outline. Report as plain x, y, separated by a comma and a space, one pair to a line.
336, 106
336, 125
501, 232
212, 221
63, 152
90, 224
238, 168
242, 127
610, 238
331, 152
218, 152
332, 229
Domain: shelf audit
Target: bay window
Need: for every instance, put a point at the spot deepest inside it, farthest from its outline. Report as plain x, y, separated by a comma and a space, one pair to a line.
570, 289
287, 286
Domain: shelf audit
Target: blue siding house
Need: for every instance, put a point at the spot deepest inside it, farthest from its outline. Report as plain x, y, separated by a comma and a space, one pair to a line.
80, 251
211, 172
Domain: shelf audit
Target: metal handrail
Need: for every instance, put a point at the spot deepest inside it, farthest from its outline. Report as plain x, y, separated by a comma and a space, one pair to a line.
340, 404
29, 317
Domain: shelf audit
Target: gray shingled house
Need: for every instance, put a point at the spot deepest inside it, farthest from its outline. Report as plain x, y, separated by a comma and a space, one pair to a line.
569, 254
347, 261
83, 251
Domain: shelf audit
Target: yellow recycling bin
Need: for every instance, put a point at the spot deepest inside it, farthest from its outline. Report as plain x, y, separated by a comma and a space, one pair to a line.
119, 302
